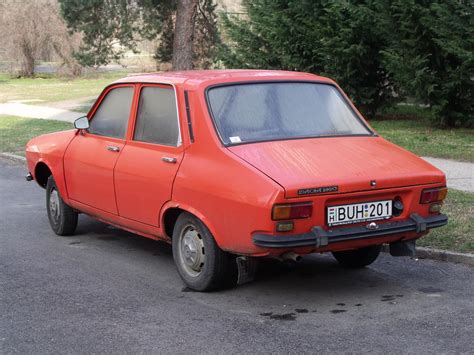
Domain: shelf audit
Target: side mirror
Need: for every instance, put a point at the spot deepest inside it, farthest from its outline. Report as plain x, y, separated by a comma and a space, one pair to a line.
82, 123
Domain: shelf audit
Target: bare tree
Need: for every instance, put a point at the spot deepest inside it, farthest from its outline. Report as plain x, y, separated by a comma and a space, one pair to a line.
184, 35
32, 30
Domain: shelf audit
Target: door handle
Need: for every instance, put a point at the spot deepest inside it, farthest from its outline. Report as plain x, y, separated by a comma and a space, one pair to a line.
169, 160
113, 148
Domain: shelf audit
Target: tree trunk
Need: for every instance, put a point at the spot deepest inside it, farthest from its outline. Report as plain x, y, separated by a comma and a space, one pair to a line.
184, 35
28, 60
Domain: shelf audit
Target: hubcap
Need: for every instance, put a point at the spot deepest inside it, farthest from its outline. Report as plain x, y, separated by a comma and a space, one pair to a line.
54, 205
191, 250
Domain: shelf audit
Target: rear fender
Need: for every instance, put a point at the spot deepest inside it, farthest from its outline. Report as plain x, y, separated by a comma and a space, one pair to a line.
191, 210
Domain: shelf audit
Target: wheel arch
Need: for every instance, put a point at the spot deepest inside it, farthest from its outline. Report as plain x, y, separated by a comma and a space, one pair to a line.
42, 173
44, 169
172, 210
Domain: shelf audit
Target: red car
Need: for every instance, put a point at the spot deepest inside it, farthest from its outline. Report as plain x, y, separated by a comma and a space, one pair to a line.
231, 165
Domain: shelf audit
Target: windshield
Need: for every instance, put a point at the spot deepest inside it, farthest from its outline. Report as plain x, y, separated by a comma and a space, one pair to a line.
283, 110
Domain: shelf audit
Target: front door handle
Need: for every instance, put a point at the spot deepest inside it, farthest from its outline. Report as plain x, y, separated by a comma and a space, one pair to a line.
113, 148
169, 160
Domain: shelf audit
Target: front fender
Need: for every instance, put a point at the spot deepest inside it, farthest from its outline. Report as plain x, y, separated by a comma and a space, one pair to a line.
49, 149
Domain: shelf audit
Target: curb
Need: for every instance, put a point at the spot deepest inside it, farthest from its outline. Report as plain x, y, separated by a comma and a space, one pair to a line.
13, 156
440, 255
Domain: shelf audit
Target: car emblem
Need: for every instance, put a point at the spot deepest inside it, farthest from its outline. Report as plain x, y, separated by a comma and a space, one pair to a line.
372, 226
318, 190
373, 183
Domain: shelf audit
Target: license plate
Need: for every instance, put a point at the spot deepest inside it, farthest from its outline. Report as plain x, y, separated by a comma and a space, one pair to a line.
359, 212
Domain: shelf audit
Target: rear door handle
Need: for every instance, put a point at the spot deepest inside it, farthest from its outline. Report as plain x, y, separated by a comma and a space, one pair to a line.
169, 160
113, 148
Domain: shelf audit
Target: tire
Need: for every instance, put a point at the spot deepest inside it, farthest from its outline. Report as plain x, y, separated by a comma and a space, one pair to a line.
358, 258
202, 265
62, 218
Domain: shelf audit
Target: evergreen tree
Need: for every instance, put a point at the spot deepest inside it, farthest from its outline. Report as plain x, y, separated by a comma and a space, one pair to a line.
103, 24
378, 50
340, 39
432, 56
111, 27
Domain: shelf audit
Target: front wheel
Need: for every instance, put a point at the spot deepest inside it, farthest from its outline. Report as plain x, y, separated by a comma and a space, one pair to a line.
62, 218
202, 265
359, 257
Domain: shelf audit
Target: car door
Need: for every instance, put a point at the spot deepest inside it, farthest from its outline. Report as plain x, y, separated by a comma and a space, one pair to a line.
90, 159
148, 164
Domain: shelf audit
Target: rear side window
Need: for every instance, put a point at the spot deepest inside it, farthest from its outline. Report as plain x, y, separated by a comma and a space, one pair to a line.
157, 118
111, 118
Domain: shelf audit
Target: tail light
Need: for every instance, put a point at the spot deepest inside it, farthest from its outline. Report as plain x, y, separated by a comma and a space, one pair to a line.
292, 211
433, 195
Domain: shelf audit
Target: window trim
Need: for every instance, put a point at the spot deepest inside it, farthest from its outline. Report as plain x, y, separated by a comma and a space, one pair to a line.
344, 97
139, 92
93, 110
188, 116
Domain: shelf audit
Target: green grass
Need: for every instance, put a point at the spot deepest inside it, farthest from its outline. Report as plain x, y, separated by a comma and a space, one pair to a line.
458, 235
15, 132
406, 111
49, 88
418, 137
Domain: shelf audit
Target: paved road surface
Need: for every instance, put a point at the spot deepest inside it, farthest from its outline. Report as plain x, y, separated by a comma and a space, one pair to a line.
108, 291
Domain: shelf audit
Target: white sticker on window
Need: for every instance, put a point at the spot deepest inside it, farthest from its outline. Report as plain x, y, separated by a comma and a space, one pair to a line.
235, 139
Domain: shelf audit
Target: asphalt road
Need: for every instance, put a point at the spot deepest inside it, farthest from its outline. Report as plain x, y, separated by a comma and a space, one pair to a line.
109, 291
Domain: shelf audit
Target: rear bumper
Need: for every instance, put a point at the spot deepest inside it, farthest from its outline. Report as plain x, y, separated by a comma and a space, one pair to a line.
318, 237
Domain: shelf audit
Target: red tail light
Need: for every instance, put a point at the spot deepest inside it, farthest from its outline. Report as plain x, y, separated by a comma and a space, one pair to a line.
433, 195
292, 211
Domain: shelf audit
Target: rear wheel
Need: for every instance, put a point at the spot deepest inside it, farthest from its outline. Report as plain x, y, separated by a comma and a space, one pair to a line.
202, 265
62, 218
359, 257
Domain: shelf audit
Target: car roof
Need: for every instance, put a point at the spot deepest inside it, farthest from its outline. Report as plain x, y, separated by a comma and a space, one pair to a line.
194, 78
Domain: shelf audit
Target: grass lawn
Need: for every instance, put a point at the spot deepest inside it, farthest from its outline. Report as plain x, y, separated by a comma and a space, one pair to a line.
418, 137
50, 88
458, 235
15, 132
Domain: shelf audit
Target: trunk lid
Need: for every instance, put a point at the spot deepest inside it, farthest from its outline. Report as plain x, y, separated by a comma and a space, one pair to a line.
350, 163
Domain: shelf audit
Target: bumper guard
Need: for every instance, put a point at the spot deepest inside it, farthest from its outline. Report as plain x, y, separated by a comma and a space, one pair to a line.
318, 237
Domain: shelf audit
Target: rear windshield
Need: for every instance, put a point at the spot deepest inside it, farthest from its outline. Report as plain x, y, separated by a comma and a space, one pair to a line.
256, 112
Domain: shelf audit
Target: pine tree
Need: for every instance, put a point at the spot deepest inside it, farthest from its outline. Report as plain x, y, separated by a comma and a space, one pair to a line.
103, 24
111, 27
432, 56
340, 39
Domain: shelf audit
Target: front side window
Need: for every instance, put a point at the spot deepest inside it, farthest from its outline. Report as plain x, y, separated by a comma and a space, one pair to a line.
157, 118
111, 118
285, 110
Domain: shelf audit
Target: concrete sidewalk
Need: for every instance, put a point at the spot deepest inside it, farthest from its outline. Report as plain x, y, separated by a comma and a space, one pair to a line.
40, 112
460, 175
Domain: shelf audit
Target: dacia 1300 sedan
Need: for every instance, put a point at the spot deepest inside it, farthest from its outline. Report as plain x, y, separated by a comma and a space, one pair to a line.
233, 165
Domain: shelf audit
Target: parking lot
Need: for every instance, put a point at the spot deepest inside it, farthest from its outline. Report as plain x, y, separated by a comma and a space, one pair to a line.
106, 291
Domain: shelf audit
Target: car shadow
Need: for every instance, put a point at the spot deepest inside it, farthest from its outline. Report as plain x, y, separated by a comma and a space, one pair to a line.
90, 229
316, 275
